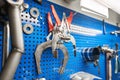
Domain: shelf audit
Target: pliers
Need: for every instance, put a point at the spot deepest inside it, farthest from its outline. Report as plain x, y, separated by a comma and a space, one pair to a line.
61, 31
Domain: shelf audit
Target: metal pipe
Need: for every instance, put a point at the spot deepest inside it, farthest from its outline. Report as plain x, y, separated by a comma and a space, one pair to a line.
10, 66
13, 60
6, 39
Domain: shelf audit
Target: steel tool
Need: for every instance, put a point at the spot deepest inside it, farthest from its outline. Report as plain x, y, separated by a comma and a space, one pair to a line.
92, 55
40, 48
108, 66
6, 38
38, 1
116, 59
109, 55
6, 42
60, 32
116, 32
13, 60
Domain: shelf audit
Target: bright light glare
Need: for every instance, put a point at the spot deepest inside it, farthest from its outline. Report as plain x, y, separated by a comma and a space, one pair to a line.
85, 31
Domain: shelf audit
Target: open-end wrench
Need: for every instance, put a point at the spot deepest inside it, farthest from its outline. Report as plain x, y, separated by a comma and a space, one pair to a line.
39, 50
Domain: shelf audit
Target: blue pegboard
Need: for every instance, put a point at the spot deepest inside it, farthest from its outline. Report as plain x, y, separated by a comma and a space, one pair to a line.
27, 68
1, 44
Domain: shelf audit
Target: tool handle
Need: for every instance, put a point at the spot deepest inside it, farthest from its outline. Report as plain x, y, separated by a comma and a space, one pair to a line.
116, 46
110, 70
116, 64
116, 59
108, 67
69, 19
50, 24
55, 16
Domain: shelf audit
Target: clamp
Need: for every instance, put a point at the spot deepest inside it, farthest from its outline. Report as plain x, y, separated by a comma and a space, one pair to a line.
40, 48
61, 31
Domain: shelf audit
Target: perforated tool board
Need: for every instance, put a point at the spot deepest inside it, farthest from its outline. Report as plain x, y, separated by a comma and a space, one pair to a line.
49, 65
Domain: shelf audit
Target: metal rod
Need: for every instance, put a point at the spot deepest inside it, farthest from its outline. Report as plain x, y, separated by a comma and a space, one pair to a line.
13, 60
116, 59
6, 42
104, 27
108, 67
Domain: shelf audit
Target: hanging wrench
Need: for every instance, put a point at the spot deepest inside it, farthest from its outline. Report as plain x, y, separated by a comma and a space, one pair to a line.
39, 50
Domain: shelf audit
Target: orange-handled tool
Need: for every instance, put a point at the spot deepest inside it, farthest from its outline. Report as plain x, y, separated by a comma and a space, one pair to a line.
50, 24
55, 16
69, 19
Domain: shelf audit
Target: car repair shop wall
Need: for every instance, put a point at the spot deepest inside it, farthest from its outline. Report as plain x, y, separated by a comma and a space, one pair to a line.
27, 69
75, 5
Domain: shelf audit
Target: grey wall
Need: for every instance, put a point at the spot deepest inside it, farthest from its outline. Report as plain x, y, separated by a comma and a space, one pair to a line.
75, 5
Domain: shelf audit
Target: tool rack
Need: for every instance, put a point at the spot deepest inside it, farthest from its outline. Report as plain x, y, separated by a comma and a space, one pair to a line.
49, 65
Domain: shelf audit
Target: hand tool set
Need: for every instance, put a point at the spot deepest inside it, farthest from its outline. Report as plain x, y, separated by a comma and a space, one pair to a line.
17, 21
60, 33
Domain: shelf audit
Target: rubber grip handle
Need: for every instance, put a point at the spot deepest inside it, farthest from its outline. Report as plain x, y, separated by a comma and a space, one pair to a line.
55, 16
50, 24
69, 19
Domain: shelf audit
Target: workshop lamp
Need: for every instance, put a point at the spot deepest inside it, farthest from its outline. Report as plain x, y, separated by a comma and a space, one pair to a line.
94, 7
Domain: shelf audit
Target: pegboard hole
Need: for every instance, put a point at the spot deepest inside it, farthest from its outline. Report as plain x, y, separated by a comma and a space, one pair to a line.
32, 74
33, 21
34, 12
28, 28
26, 16
26, 20
38, 23
26, 12
19, 76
